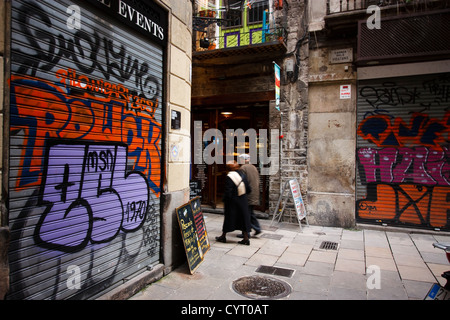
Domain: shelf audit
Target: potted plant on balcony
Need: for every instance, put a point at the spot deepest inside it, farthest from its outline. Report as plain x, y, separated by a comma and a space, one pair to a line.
212, 45
207, 13
280, 36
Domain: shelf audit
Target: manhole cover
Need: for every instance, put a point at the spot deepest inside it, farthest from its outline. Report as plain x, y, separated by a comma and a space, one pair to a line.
328, 245
262, 288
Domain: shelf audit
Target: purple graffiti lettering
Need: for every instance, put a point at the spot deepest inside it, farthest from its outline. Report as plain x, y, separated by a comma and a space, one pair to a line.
418, 165
89, 197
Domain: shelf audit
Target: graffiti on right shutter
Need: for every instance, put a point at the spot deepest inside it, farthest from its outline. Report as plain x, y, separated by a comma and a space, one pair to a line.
403, 152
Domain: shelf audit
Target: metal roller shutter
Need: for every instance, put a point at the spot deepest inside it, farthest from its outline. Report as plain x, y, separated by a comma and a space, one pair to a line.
85, 150
403, 175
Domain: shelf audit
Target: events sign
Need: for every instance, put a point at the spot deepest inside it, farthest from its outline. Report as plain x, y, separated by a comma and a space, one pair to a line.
143, 16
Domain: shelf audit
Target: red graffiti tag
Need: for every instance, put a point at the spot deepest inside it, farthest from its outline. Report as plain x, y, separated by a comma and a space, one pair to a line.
44, 110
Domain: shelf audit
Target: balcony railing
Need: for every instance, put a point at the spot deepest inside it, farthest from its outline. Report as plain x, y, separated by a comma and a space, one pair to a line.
235, 38
337, 6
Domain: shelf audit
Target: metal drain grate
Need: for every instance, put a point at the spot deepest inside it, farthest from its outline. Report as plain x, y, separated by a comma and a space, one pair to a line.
328, 245
262, 288
276, 271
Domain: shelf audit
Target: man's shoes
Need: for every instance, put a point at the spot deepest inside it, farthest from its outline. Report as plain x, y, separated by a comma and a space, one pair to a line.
256, 233
221, 239
244, 242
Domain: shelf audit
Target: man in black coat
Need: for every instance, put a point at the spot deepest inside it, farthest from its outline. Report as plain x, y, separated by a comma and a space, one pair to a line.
252, 174
236, 213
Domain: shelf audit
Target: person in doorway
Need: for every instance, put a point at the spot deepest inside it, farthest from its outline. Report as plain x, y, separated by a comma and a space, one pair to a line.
236, 214
253, 197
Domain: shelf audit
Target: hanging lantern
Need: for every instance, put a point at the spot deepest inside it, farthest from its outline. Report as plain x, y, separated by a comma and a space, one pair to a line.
204, 43
233, 11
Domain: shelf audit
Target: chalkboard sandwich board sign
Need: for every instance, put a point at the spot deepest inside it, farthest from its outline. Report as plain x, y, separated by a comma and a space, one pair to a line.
200, 224
193, 232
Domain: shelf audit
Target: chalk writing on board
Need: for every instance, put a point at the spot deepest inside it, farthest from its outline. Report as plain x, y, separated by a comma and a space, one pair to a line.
200, 224
193, 232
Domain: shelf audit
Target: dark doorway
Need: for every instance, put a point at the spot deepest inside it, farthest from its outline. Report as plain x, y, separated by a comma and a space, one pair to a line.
210, 178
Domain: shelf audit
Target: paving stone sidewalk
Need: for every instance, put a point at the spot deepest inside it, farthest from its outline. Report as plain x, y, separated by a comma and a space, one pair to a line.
407, 264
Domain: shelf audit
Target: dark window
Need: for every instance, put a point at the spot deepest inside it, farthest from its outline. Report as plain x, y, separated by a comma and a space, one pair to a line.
233, 13
255, 13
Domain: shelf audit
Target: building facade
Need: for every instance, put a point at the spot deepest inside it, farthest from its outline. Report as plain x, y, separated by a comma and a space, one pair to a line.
234, 87
107, 106
93, 166
378, 100
362, 115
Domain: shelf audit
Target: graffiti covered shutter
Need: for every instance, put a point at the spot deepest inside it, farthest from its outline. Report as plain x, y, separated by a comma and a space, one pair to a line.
403, 173
85, 150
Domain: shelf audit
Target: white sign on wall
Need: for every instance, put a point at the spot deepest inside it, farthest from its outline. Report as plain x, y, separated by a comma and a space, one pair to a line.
341, 56
296, 196
346, 91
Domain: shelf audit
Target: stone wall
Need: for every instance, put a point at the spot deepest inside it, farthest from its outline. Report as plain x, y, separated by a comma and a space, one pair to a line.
331, 152
293, 107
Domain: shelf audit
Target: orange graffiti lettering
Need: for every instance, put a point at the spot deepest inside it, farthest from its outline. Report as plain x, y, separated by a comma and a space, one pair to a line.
407, 204
41, 110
